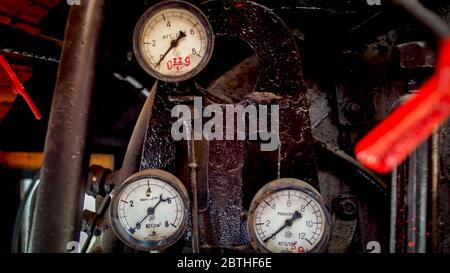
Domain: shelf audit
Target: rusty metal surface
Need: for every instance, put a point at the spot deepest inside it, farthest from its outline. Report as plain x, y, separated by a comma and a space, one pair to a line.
297, 156
278, 75
232, 180
279, 66
159, 147
279, 72
225, 200
228, 182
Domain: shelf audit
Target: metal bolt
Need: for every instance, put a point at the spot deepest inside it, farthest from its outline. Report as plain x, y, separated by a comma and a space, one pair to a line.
347, 208
352, 112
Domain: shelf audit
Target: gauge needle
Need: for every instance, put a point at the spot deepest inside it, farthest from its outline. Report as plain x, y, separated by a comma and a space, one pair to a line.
150, 211
173, 44
297, 215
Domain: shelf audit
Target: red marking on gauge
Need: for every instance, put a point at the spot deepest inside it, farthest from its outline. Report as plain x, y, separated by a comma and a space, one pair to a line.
177, 63
294, 246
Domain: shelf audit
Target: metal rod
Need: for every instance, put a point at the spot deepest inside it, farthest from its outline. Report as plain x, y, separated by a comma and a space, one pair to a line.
376, 182
435, 205
394, 215
417, 199
59, 202
411, 200
422, 206
30, 45
194, 186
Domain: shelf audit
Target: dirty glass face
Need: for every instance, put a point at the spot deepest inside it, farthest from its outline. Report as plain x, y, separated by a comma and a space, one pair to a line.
150, 210
289, 221
174, 43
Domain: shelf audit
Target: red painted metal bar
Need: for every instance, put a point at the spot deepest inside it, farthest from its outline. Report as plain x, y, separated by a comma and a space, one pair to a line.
18, 88
386, 146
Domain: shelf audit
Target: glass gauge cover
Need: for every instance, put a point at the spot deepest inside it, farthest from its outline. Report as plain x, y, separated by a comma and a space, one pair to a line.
173, 41
149, 210
289, 216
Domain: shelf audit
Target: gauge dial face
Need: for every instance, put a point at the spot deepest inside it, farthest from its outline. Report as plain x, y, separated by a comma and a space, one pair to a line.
289, 220
149, 212
173, 41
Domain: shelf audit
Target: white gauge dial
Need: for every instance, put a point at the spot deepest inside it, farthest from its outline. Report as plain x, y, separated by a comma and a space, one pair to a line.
149, 211
288, 216
173, 41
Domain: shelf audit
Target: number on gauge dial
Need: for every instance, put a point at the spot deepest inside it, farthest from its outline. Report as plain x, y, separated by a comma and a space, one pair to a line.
150, 210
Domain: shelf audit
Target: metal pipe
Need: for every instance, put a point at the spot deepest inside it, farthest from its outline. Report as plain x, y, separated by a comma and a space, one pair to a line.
59, 203
435, 179
193, 166
417, 199
394, 215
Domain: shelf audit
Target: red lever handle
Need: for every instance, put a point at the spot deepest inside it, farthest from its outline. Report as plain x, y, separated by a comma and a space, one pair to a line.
18, 87
386, 146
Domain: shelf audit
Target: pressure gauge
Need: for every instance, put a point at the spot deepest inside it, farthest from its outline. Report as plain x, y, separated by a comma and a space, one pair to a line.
173, 41
149, 210
289, 216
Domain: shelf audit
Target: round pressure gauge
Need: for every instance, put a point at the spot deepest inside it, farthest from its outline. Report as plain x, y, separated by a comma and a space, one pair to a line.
289, 216
173, 41
149, 210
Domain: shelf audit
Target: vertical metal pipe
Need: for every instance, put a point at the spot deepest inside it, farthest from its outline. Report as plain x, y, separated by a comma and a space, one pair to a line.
435, 205
394, 215
194, 186
417, 199
423, 178
59, 201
